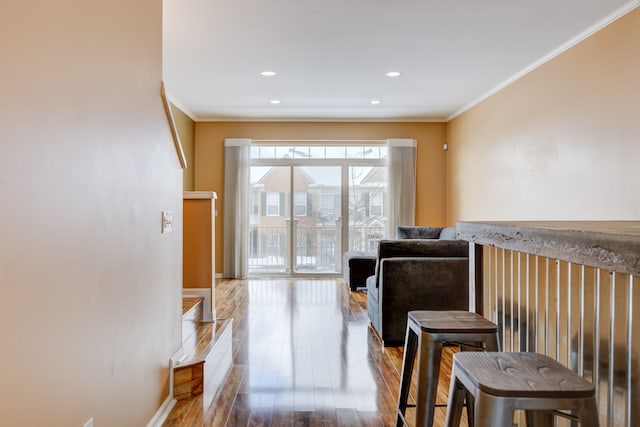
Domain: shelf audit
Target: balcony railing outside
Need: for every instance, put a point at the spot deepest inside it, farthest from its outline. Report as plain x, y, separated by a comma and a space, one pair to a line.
365, 238
318, 248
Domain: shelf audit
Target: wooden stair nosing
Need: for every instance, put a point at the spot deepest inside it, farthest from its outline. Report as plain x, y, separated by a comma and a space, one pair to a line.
203, 346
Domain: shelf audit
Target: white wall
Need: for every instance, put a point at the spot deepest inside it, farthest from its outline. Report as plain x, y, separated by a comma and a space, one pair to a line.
89, 287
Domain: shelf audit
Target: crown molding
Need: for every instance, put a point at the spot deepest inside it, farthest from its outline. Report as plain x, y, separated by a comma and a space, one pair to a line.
620, 12
214, 119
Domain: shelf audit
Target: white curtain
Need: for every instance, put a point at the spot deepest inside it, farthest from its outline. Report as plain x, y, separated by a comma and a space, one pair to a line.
402, 184
236, 208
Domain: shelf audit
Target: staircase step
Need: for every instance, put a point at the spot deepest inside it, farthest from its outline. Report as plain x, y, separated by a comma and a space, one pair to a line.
206, 358
191, 317
192, 307
196, 383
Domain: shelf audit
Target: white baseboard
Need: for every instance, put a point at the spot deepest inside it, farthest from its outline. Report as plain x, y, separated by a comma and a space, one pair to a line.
208, 312
163, 412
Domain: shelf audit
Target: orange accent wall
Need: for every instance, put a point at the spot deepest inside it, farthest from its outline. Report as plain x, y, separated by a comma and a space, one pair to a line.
430, 197
197, 269
563, 142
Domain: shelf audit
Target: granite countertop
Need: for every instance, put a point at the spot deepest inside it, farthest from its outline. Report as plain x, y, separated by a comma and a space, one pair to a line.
612, 245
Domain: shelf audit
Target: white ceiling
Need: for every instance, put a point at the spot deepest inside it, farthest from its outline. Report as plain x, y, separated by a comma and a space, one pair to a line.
331, 56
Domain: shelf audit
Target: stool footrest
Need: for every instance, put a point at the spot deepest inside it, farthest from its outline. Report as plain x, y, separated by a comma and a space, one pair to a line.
565, 415
437, 405
467, 345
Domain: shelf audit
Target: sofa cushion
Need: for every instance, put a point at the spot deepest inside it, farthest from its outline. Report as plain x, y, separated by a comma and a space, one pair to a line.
419, 248
448, 233
417, 232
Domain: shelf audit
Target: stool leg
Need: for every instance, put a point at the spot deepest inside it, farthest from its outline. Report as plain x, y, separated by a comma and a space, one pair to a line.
493, 343
492, 412
428, 374
457, 394
411, 343
539, 418
469, 404
589, 415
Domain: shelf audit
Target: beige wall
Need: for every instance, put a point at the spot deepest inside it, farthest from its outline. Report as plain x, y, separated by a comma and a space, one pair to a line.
89, 288
430, 198
186, 130
563, 142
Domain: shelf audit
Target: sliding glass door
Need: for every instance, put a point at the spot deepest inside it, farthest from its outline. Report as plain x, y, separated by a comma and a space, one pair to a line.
305, 212
296, 219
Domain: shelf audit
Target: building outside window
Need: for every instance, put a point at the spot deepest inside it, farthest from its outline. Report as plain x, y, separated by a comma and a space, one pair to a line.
273, 204
375, 204
300, 204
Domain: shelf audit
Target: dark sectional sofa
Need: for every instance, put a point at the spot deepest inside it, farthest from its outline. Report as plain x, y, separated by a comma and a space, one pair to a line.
357, 265
416, 274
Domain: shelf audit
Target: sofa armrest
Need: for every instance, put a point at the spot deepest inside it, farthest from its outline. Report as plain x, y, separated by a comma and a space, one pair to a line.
415, 283
423, 248
417, 232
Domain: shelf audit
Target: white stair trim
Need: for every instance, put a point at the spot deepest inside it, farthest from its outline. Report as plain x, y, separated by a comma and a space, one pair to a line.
208, 312
163, 412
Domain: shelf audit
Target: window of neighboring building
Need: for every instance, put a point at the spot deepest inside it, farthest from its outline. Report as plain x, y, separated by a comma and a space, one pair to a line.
375, 204
300, 204
273, 204
327, 202
254, 203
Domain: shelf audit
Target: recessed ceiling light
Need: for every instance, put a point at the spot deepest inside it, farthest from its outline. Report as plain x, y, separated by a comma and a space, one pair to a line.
275, 101
375, 102
268, 73
393, 74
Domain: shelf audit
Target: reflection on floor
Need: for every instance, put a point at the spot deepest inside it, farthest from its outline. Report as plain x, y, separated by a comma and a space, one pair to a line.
303, 355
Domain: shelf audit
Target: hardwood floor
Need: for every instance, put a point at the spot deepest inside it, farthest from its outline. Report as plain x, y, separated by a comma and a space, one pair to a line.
304, 355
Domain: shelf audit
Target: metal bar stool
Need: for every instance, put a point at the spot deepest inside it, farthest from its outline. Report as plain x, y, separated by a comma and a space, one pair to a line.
500, 383
427, 333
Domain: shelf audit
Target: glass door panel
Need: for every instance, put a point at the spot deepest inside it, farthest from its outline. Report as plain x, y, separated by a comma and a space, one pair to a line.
296, 216
367, 207
317, 225
270, 220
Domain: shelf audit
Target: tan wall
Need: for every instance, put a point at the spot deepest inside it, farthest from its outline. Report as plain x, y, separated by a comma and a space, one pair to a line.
563, 142
430, 198
186, 130
89, 288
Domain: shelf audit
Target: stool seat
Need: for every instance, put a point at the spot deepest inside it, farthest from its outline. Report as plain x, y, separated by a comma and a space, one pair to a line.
522, 375
501, 383
452, 321
427, 332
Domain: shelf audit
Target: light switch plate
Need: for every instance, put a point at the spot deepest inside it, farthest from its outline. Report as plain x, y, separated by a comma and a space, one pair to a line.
167, 222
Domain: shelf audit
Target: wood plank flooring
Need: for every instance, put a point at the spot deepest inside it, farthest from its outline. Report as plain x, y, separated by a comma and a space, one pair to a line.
304, 355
